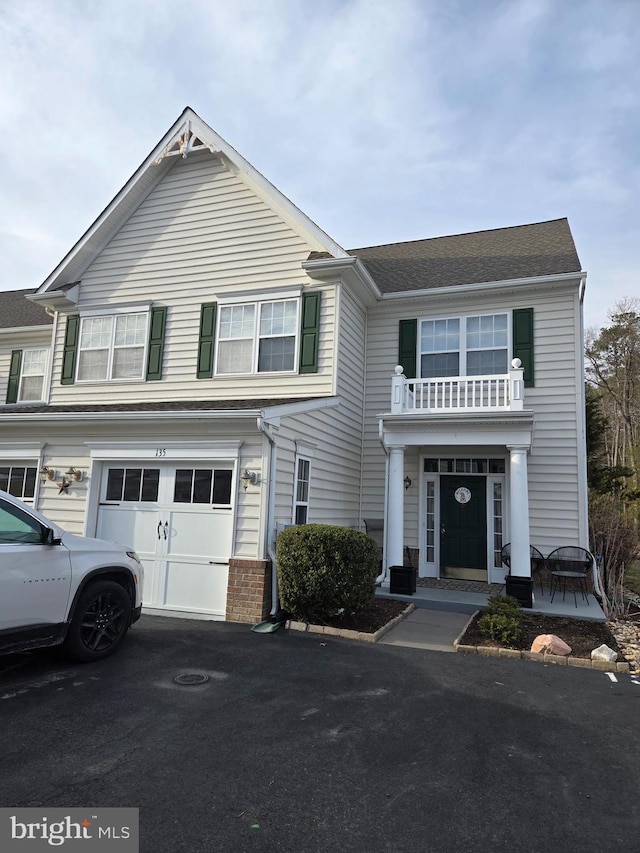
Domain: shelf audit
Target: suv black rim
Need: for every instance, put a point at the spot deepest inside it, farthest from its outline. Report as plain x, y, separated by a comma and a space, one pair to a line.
103, 622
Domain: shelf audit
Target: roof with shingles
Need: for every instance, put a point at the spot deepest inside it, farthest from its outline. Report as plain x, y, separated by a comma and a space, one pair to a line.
158, 406
501, 254
16, 311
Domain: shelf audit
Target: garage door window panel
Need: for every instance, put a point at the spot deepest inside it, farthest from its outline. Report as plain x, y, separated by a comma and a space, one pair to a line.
202, 486
133, 484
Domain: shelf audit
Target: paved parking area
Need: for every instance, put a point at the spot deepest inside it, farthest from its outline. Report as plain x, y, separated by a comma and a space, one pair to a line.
309, 743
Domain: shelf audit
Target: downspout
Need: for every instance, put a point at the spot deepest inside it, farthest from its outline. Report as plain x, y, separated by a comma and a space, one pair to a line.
381, 577
271, 501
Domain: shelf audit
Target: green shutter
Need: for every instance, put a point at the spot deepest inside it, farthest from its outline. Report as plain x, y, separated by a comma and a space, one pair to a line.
68, 376
156, 343
207, 340
309, 333
14, 376
523, 342
407, 346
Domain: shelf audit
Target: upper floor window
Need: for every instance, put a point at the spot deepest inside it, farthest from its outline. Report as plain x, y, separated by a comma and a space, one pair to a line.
32, 374
464, 346
112, 347
257, 337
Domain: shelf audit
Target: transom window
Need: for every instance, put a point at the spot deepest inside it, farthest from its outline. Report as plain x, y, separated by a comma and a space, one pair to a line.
464, 346
257, 337
112, 347
464, 466
18, 480
32, 373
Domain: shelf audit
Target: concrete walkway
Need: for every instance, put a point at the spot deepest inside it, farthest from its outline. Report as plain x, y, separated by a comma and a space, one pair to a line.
427, 629
441, 615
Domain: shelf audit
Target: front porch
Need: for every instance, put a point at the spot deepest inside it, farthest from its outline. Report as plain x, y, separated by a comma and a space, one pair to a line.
469, 596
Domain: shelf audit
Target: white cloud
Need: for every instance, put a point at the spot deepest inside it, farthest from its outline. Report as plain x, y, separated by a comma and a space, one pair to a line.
383, 120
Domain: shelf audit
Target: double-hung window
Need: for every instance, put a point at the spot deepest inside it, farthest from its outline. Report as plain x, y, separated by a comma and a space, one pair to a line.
257, 337
464, 346
32, 373
112, 347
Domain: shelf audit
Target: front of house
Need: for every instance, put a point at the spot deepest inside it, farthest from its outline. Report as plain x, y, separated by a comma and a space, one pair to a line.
206, 365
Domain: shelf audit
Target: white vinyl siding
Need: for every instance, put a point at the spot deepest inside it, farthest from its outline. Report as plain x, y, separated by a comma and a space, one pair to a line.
201, 235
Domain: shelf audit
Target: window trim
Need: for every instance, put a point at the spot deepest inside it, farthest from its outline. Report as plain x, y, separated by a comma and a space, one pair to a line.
112, 315
301, 457
257, 337
45, 373
462, 350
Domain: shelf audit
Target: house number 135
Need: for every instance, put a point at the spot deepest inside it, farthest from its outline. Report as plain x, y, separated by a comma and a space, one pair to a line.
161, 451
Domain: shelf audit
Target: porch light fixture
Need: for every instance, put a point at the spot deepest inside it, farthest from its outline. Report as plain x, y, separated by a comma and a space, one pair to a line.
47, 473
407, 483
249, 478
73, 474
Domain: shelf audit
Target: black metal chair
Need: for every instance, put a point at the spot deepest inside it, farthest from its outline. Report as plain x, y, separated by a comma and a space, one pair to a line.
538, 562
570, 564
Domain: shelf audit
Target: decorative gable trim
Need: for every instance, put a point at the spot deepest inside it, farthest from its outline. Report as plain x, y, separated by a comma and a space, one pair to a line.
188, 133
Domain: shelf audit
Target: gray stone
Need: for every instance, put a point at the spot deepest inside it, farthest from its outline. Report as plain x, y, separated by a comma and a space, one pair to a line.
603, 652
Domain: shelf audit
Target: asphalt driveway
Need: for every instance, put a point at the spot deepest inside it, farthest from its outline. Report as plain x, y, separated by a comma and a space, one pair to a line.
309, 743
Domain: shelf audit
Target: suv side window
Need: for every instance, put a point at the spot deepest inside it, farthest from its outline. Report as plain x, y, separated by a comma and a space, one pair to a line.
17, 528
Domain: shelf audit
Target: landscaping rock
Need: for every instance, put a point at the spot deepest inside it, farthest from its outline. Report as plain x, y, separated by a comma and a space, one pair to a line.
550, 644
603, 652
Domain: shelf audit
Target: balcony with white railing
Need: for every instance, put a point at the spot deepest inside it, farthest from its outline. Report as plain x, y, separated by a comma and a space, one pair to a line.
458, 394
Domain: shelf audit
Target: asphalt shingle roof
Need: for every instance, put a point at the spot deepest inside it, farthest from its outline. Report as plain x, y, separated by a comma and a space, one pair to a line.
17, 311
158, 406
501, 254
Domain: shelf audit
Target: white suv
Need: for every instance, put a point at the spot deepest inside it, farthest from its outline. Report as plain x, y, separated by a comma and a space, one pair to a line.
57, 588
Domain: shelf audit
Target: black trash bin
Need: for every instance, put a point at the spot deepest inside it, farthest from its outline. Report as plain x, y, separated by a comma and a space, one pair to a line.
402, 580
521, 589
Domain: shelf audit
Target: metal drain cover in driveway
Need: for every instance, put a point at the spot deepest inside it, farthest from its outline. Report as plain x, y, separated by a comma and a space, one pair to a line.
190, 678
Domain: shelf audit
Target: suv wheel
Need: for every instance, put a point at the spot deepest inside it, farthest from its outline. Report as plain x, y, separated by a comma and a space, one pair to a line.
100, 621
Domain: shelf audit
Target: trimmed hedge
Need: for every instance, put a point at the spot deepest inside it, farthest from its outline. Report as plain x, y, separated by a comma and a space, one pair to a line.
324, 569
501, 620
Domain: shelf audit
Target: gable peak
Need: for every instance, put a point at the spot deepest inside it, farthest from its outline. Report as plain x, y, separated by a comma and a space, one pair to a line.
183, 142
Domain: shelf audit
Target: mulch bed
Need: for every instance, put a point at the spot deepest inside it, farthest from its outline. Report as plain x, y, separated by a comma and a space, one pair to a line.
583, 635
381, 611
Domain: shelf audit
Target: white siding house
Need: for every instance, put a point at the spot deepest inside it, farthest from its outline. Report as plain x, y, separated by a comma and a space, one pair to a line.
207, 364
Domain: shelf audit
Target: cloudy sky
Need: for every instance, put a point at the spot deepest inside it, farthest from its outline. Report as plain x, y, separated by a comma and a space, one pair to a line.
384, 120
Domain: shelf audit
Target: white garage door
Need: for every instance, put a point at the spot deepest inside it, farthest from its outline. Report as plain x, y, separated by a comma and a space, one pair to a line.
180, 521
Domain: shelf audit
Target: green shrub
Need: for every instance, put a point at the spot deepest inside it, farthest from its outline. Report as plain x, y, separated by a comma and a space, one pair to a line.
500, 627
324, 569
504, 605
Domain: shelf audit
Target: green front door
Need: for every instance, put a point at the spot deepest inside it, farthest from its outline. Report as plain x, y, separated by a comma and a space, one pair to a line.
463, 527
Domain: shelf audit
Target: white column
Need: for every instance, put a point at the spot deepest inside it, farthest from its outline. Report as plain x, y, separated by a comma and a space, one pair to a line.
519, 512
394, 522
397, 390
